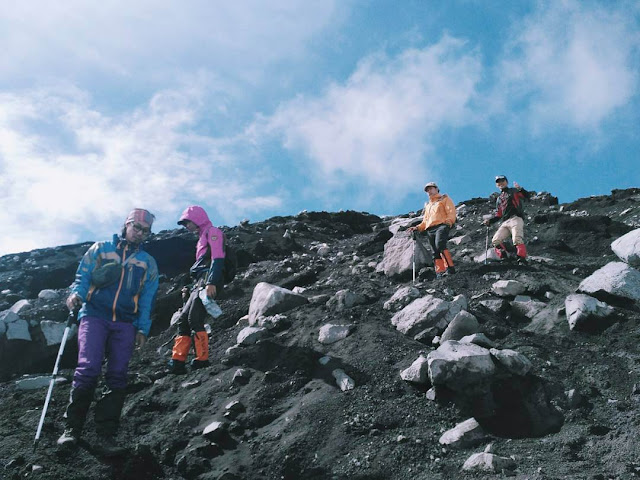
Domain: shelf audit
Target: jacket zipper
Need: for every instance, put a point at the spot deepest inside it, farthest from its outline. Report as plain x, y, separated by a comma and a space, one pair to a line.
115, 300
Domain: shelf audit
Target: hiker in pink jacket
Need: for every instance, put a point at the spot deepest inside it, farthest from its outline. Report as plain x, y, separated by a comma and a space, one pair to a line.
207, 274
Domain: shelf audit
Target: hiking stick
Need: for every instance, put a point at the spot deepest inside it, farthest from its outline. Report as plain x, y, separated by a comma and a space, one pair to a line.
486, 246
70, 321
414, 238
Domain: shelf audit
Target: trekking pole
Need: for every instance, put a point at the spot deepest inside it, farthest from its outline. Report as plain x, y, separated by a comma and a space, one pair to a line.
70, 321
414, 238
486, 246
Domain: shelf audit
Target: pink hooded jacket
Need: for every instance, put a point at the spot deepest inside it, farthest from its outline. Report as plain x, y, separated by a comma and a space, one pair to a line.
210, 239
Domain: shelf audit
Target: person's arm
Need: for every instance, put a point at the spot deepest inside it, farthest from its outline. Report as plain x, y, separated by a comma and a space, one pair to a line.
450, 210
216, 248
82, 282
147, 296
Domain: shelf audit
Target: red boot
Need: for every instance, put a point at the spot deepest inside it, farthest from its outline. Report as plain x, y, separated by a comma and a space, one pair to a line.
521, 251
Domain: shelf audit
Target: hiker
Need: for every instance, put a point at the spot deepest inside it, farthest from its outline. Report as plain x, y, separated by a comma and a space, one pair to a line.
509, 211
115, 284
207, 275
438, 218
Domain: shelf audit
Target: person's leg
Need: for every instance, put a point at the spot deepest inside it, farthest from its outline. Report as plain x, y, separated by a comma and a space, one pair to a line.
197, 315
517, 232
500, 236
438, 262
442, 237
120, 345
92, 337
182, 343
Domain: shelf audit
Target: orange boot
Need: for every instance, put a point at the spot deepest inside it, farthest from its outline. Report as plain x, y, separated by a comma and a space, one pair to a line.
179, 354
448, 260
440, 267
521, 252
201, 344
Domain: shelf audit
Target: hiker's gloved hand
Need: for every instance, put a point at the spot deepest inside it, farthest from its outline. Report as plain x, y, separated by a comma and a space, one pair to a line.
211, 291
74, 301
141, 339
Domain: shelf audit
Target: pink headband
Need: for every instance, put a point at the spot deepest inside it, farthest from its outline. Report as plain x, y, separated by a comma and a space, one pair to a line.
141, 216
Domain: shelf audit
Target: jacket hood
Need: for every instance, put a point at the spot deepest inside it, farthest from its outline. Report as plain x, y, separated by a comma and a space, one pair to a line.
197, 215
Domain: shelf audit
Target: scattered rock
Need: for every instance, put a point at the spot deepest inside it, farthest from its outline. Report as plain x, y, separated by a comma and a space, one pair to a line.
585, 312
508, 288
269, 299
464, 435
344, 381
418, 372
331, 333
627, 248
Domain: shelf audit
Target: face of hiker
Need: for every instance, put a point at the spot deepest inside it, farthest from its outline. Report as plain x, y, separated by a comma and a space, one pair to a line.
189, 225
137, 232
431, 191
501, 184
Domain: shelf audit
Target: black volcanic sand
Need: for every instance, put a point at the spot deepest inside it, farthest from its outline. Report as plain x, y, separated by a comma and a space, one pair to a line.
296, 423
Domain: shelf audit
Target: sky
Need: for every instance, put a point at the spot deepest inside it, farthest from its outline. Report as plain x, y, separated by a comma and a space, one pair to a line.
253, 109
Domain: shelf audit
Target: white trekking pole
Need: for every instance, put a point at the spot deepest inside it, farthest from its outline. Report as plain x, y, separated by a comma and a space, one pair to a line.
413, 237
70, 321
486, 246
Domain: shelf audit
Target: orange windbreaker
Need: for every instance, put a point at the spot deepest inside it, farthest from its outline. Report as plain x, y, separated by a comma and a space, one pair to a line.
437, 211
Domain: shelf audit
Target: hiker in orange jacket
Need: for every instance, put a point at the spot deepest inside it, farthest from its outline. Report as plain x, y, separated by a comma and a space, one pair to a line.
438, 218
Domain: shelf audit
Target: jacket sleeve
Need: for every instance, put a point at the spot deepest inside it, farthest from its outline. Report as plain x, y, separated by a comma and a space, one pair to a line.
147, 296
216, 247
450, 210
498, 214
82, 282
423, 225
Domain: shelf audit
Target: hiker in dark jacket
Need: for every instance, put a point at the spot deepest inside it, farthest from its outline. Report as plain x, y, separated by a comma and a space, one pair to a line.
116, 283
509, 211
207, 275
438, 218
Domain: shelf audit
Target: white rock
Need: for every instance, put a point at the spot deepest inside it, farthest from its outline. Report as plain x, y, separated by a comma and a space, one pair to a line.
627, 247
583, 310
401, 298
615, 278
48, 294
344, 299
19, 305
478, 339
399, 254
461, 240
490, 255
272, 322
344, 381
488, 462
53, 331
215, 431
299, 290
464, 323
425, 312
466, 434
513, 361
526, 307
250, 335
418, 372
460, 365
508, 288
494, 305
18, 330
269, 299
331, 333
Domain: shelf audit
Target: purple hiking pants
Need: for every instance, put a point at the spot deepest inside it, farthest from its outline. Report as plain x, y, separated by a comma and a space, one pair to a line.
97, 338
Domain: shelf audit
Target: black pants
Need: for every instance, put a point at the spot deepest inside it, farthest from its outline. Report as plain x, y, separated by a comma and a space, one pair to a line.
438, 237
193, 314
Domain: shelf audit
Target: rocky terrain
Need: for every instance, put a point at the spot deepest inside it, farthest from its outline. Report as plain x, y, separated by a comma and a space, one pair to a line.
329, 362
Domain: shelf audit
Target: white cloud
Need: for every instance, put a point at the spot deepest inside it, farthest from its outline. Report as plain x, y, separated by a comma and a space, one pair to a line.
378, 126
571, 63
68, 168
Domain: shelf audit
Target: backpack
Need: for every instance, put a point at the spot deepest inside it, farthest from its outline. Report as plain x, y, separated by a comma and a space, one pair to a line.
230, 262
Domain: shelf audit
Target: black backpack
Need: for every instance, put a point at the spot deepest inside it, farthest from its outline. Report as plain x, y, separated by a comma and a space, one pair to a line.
230, 262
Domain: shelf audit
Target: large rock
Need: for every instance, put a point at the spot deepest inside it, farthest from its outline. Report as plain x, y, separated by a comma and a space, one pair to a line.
270, 299
460, 366
488, 462
464, 435
344, 381
344, 299
585, 312
331, 333
399, 254
616, 281
401, 298
508, 288
18, 330
424, 313
251, 335
418, 372
513, 361
525, 307
627, 247
53, 331
463, 324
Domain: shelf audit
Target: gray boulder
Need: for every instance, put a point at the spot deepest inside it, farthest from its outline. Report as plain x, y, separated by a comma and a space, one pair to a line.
488, 462
585, 312
331, 333
462, 324
616, 280
18, 330
508, 288
479, 339
464, 435
401, 298
48, 294
344, 299
398, 256
53, 332
460, 366
269, 299
513, 361
426, 312
344, 381
526, 307
251, 335
418, 372
627, 247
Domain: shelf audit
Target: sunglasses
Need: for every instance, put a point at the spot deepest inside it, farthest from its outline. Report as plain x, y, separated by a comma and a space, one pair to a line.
140, 229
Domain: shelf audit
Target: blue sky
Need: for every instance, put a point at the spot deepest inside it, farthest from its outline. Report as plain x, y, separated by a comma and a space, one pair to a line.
253, 109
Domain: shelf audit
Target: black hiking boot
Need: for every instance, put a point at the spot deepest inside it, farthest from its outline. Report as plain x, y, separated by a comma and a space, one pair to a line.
176, 367
196, 364
108, 446
69, 438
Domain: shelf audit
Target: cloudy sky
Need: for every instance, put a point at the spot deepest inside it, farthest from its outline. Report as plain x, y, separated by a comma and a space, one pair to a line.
253, 109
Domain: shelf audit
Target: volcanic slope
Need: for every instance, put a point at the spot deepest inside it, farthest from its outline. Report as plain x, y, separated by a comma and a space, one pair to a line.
282, 414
